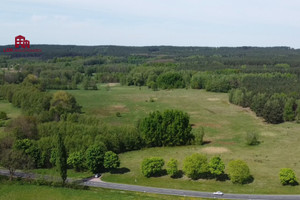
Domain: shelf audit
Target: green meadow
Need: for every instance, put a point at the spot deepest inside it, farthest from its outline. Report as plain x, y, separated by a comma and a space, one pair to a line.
11, 111
225, 128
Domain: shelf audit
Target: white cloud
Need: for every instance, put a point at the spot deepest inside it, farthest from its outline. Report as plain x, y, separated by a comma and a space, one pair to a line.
38, 18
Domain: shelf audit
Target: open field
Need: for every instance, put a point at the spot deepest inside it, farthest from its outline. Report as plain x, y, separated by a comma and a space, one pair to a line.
17, 191
225, 128
11, 111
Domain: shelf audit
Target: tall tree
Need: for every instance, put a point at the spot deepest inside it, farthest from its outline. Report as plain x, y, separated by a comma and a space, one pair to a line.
61, 160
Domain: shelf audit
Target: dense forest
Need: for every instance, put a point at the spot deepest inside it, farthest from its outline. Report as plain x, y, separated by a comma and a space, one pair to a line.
265, 79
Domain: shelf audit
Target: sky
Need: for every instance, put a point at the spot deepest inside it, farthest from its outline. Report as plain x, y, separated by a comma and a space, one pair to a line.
212, 23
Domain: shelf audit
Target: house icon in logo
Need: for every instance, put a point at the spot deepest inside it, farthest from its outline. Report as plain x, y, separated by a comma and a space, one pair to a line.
20, 41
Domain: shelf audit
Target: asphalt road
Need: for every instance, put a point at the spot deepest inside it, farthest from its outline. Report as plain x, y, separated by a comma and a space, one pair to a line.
118, 186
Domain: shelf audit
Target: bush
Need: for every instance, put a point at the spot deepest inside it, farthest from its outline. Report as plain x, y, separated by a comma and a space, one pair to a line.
198, 136
252, 138
216, 166
172, 168
152, 166
239, 172
111, 160
118, 114
195, 166
3, 115
287, 177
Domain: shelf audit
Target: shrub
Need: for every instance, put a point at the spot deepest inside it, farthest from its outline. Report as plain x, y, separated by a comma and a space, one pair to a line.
172, 168
216, 166
195, 166
3, 115
118, 114
111, 160
252, 138
198, 136
239, 172
152, 166
287, 177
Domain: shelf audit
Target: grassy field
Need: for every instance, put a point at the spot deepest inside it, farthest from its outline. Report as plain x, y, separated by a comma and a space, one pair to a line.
17, 191
225, 128
11, 112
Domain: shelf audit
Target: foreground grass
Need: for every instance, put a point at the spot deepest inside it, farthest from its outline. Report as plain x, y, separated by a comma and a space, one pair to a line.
16, 191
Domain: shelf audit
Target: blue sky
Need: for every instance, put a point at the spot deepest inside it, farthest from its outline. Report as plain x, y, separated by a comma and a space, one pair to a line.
152, 22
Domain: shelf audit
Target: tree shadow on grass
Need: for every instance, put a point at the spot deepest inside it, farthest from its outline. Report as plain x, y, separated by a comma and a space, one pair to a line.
223, 177
161, 173
249, 180
122, 170
293, 184
206, 142
178, 175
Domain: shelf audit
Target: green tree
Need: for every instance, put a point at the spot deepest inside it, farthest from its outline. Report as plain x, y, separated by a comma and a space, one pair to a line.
111, 160
63, 103
172, 168
30, 148
287, 177
216, 166
152, 166
170, 128
298, 111
258, 103
77, 161
273, 110
198, 81
61, 159
289, 110
170, 80
14, 159
198, 136
24, 127
95, 157
239, 172
195, 166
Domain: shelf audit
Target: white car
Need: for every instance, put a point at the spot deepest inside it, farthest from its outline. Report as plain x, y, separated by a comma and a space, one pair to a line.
97, 175
218, 193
